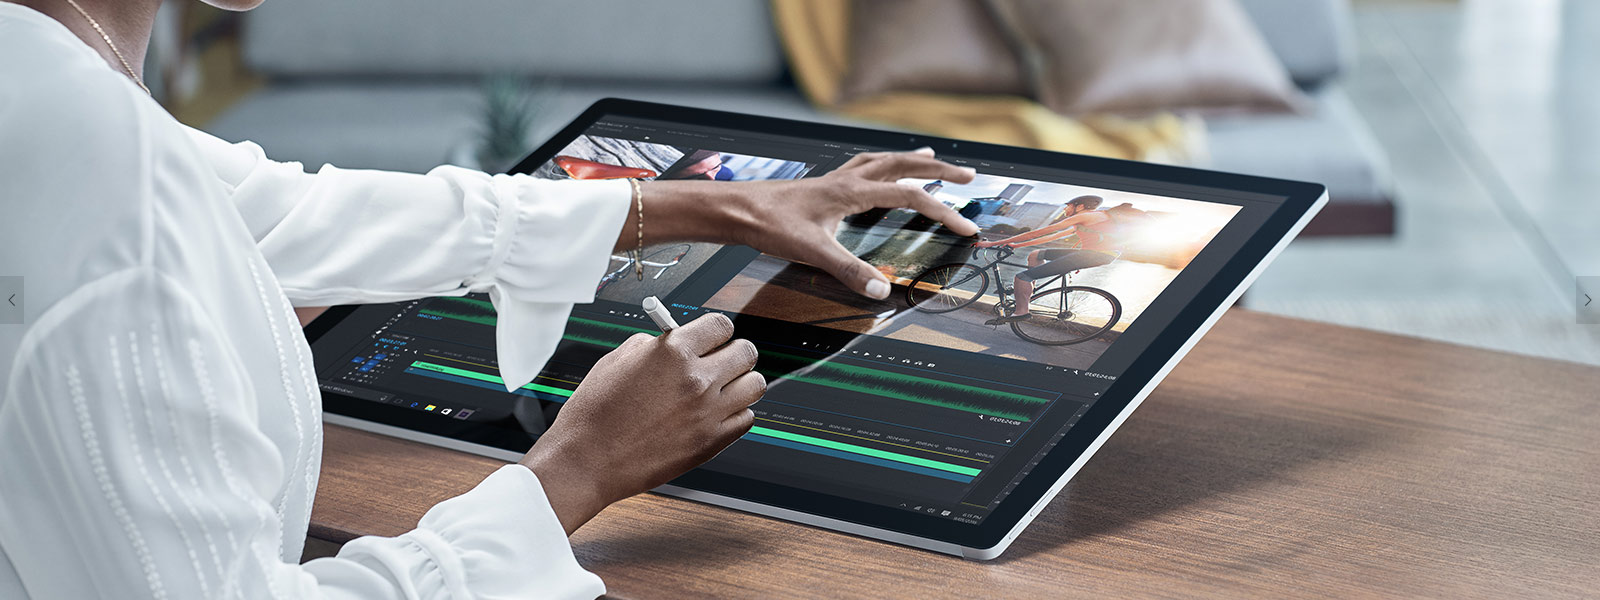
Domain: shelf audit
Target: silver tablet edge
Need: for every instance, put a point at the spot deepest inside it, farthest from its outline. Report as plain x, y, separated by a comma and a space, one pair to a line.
874, 532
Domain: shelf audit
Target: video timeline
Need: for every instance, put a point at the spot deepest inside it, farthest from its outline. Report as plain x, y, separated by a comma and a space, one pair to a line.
899, 430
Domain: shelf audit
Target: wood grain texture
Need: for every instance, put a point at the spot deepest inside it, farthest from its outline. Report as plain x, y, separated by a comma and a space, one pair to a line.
1281, 458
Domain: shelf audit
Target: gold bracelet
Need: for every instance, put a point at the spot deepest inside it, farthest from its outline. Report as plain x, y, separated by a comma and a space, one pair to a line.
638, 253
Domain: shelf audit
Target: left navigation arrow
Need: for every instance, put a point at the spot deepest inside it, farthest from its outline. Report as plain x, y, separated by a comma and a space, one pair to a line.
14, 294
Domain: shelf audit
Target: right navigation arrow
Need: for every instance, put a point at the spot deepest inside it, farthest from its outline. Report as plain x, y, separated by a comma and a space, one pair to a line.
1586, 299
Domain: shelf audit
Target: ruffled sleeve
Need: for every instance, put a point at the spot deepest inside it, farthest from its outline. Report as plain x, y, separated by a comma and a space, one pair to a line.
354, 236
499, 540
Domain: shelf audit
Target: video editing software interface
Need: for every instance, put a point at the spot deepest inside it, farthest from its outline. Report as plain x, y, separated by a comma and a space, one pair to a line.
938, 399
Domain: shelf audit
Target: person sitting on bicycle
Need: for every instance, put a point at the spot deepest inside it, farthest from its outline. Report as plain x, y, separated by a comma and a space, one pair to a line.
1100, 243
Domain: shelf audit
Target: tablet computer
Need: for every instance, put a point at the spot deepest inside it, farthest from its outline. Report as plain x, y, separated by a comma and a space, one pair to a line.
922, 419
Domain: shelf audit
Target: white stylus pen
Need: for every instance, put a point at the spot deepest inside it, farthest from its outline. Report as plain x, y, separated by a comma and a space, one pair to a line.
658, 312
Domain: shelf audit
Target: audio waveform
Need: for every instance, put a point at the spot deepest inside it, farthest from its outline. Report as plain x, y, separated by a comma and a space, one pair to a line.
779, 366
901, 394
901, 386
896, 377
579, 329
624, 329
471, 310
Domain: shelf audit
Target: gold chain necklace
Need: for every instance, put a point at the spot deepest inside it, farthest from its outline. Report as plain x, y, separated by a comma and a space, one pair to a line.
125, 66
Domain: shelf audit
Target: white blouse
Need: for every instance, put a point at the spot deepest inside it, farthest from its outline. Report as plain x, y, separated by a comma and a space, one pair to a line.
160, 430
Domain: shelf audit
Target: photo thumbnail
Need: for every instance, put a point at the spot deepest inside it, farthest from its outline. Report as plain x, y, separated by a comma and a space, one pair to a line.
597, 157
725, 166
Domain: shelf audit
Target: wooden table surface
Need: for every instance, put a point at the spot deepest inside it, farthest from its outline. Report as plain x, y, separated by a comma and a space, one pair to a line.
1281, 458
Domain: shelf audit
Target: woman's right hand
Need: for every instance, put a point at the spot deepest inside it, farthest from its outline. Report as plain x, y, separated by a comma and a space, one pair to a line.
647, 412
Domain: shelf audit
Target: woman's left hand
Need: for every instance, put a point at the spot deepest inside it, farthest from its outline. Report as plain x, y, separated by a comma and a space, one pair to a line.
801, 217
797, 219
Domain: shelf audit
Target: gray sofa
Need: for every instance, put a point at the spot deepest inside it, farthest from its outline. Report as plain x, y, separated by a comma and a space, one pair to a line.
397, 84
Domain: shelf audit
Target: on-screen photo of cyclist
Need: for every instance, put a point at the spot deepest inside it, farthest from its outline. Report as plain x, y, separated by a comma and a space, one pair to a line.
1101, 235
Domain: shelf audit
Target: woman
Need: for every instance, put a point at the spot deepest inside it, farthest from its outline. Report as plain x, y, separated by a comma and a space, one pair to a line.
160, 430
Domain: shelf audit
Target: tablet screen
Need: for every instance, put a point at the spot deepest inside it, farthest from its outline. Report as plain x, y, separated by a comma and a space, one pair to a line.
937, 400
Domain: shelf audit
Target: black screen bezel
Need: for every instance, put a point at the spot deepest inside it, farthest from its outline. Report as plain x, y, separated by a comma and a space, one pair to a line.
1298, 199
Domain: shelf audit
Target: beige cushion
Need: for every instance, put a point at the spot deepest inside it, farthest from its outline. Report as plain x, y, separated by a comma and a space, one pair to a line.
1133, 57
949, 46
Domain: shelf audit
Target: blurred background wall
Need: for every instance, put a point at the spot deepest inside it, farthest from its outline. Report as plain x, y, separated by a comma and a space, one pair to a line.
1458, 138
